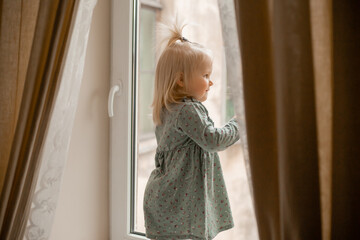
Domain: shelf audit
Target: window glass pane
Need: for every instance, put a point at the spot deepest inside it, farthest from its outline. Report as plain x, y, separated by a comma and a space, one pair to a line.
230, 111
145, 92
146, 70
147, 38
204, 28
145, 129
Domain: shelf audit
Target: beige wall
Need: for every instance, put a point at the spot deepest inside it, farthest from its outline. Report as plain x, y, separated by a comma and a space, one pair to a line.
82, 211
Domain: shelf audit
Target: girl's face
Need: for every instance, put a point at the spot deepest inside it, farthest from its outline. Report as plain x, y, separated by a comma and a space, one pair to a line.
200, 83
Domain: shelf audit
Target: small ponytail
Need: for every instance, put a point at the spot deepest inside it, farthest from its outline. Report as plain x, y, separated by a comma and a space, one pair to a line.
170, 34
176, 34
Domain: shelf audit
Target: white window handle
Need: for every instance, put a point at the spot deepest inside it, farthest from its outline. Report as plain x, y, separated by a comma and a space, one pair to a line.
113, 90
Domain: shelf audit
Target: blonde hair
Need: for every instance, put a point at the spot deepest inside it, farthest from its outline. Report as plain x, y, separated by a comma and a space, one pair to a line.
178, 60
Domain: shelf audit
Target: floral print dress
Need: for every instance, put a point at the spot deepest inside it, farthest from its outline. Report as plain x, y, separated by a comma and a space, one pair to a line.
186, 197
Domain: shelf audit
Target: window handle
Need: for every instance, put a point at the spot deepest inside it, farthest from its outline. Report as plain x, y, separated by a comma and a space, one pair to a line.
112, 93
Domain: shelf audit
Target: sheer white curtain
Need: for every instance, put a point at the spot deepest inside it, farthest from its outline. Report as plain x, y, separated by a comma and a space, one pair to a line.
56, 146
235, 80
234, 71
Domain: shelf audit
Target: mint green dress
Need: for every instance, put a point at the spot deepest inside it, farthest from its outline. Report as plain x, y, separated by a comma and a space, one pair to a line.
186, 197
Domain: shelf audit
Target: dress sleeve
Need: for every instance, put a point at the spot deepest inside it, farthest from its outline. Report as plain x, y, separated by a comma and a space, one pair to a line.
194, 121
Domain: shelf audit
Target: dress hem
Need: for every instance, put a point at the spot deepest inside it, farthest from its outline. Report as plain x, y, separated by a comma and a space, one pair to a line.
187, 236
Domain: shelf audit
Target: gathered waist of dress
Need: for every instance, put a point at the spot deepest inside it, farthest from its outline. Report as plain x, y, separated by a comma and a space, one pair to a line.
163, 150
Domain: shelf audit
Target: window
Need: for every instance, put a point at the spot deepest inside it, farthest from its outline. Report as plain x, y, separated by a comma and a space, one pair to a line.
133, 142
148, 14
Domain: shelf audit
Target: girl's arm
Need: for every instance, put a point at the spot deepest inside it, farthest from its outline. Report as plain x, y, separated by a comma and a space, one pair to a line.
193, 120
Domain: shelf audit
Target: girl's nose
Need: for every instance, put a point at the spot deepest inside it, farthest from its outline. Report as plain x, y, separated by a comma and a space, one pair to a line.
211, 83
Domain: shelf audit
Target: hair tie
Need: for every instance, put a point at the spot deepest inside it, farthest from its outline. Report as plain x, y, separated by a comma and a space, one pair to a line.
184, 39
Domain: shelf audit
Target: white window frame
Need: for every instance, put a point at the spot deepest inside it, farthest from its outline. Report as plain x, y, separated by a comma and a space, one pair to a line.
123, 67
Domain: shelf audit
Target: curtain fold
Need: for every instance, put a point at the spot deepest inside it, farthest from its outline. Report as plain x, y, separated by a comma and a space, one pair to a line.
321, 29
259, 94
345, 220
41, 85
17, 24
296, 121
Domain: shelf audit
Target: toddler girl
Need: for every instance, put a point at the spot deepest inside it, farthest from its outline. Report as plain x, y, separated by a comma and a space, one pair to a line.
185, 197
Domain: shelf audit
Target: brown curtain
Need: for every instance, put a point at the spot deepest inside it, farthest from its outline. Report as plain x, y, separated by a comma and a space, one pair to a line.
18, 19
301, 77
37, 68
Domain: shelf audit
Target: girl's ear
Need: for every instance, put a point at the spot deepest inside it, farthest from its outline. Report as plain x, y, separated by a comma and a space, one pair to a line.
180, 80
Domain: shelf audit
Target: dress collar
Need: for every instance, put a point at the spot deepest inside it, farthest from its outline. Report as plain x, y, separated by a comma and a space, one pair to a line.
190, 99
